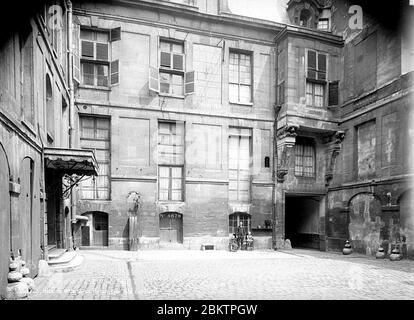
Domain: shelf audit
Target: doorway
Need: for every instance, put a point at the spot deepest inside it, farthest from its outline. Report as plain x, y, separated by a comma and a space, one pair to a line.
302, 221
171, 227
100, 229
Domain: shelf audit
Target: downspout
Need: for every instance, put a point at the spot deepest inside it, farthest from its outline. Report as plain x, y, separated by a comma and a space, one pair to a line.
45, 240
71, 110
274, 155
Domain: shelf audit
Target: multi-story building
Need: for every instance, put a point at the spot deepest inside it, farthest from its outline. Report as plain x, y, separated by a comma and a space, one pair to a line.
36, 149
202, 118
177, 100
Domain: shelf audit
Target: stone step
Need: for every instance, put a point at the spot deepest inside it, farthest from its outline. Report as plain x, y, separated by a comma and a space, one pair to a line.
73, 264
171, 246
55, 253
66, 257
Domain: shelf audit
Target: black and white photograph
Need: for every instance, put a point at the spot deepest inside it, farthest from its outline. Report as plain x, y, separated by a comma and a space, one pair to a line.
207, 150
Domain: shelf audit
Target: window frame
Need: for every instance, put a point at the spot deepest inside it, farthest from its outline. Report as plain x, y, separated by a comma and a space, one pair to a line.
94, 60
313, 84
327, 24
170, 70
235, 219
239, 84
170, 180
303, 143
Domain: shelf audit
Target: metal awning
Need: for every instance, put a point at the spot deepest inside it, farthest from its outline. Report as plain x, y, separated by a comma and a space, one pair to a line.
71, 161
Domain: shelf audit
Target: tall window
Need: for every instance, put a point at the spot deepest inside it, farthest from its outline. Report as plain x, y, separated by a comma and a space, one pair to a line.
239, 164
316, 78
304, 158
172, 67
170, 160
50, 112
305, 18
240, 77
94, 57
95, 136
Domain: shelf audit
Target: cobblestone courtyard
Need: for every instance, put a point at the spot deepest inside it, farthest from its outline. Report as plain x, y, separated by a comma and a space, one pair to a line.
182, 274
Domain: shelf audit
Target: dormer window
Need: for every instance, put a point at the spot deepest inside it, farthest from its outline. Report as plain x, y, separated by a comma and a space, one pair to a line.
305, 18
323, 24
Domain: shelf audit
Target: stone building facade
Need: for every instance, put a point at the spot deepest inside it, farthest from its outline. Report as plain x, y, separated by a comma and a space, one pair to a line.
35, 144
202, 118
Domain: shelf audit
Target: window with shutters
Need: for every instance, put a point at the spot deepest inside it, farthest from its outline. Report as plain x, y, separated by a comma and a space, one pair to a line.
96, 66
304, 158
171, 67
240, 77
316, 78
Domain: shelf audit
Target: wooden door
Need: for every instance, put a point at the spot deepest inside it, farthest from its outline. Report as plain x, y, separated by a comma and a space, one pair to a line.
25, 230
171, 227
85, 231
100, 229
4, 221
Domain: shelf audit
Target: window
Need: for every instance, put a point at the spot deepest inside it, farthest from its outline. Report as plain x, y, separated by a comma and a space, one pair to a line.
315, 94
95, 57
236, 218
171, 67
170, 183
170, 160
50, 112
96, 67
316, 64
323, 24
305, 18
240, 78
95, 135
304, 158
281, 93
239, 164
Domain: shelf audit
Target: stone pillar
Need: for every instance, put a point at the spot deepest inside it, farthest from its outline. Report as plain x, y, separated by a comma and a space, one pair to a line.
286, 138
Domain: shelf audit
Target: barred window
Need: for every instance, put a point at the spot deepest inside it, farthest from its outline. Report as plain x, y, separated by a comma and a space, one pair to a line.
304, 160
240, 77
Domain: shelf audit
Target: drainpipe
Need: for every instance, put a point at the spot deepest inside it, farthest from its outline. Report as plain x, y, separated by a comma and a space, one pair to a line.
274, 166
71, 111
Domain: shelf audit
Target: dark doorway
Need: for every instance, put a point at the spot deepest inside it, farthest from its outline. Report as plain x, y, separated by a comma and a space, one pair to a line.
85, 231
171, 227
100, 229
302, 221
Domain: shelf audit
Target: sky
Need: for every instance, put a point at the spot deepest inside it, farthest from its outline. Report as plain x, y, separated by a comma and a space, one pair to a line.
273, 10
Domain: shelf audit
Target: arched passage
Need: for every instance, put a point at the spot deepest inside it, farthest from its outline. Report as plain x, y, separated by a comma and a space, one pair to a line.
4, 220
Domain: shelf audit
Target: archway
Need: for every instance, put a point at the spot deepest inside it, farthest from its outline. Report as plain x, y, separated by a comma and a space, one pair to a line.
171, 227
4, 221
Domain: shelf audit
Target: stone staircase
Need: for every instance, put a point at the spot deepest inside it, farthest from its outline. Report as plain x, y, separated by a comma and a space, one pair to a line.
62, 260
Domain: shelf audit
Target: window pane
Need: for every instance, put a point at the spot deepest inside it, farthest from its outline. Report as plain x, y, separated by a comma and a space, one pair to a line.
165, 46
245, 93
102, 37
177, 84
233, 92
164, 171
88, 73
102, 74
178, 48
233, 74
86, 34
